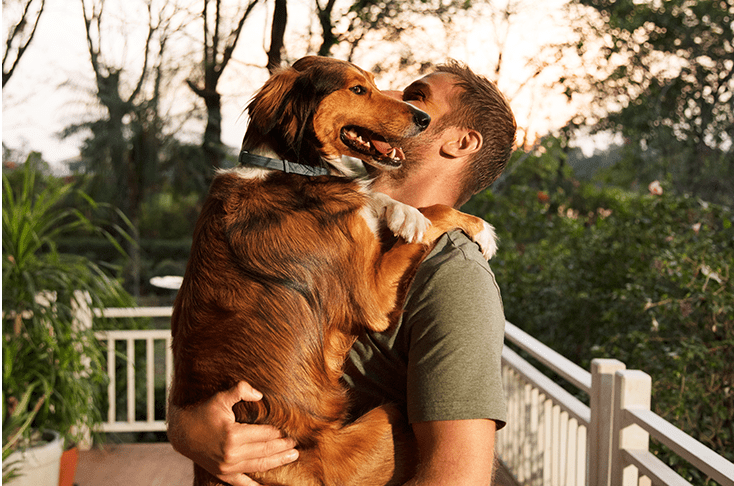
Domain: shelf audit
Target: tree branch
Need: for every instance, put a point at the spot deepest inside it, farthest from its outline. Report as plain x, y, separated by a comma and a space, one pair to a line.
16, 32
227, 54
151, 30
93, 52
280, 19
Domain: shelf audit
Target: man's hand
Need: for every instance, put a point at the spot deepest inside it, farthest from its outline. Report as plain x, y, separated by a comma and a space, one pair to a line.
209, 435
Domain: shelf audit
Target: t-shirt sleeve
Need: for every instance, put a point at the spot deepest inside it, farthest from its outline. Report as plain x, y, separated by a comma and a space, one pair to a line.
456, 335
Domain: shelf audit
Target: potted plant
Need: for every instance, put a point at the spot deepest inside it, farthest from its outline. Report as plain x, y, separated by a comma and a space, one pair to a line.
38, 454
53, 367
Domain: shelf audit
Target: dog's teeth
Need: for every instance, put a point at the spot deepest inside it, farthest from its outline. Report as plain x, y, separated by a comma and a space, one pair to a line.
393, 153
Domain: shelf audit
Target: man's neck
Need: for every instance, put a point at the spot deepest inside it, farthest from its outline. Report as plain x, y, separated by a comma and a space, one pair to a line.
418, 192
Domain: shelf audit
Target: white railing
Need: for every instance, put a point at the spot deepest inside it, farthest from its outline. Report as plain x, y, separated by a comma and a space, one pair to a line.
551, 439
132, 423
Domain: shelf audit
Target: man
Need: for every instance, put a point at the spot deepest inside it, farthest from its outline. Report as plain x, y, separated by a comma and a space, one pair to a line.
441, 363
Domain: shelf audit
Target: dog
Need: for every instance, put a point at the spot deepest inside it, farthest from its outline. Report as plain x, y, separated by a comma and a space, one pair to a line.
287, 266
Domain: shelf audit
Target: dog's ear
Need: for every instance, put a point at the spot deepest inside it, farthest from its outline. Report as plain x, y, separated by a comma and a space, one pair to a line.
306, 62
284, 106
267, 107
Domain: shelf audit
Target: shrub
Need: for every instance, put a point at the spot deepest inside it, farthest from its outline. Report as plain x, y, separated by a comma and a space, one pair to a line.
52, 365
644, 278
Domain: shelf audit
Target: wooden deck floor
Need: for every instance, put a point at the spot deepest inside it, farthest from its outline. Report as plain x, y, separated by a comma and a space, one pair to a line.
134, 465
153, 465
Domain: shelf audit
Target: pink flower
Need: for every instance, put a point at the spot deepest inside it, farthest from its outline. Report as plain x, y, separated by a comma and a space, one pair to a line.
655, 188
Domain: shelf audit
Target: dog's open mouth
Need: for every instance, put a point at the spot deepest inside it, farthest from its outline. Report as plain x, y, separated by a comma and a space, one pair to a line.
373, 145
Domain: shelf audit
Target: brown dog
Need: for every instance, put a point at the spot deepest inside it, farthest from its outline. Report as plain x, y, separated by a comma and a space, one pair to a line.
286, 267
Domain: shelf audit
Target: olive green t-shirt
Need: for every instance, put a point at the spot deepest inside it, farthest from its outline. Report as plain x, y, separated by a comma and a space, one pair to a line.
442, 361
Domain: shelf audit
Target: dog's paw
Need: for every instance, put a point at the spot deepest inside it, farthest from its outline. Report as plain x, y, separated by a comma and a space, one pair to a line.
406, 221
487, 240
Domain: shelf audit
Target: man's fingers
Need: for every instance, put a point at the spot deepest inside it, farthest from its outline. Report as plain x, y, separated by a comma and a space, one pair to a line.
241, 391
252, 456
268, 462
253, 450
247, 436
276, 460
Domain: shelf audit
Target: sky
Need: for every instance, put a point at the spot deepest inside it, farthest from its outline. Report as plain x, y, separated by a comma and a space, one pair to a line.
34, 107
53, 84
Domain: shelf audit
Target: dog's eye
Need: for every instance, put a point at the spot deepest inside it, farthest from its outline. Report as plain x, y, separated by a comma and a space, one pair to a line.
359, 89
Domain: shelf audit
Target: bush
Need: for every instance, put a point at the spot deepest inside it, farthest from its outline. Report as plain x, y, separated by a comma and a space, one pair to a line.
52, 365
169, 216
644, 278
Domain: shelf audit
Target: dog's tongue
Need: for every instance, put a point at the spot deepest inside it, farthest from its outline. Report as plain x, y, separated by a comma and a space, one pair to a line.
381, 146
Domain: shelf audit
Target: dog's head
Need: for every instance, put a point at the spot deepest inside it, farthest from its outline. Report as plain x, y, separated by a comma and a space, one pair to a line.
322, 108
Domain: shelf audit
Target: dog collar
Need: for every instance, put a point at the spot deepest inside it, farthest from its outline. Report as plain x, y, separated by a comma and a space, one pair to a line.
282, 165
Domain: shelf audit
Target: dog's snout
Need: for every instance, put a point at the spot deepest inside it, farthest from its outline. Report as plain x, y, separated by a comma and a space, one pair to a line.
421, 119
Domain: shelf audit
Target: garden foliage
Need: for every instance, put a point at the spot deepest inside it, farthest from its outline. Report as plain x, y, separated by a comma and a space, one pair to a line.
53, 366
645, 278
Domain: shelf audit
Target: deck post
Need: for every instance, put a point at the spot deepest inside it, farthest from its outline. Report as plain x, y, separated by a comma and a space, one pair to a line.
601, 403
83, 319
632, 390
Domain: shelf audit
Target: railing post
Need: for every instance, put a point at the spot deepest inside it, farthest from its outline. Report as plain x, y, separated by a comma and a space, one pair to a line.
82, 321
80, 305
601, 401
632, 390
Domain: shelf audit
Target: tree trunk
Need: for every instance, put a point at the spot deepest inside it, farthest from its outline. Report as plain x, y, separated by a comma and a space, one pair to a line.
280, 19
328, 39
212, 145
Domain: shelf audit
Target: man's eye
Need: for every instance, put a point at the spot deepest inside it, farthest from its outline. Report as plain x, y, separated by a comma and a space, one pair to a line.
360, 90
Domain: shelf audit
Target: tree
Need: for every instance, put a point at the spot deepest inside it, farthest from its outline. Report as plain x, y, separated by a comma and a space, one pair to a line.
329, 38
277, 33
392, 18
217, 53
20, 33
666, 77
124, 146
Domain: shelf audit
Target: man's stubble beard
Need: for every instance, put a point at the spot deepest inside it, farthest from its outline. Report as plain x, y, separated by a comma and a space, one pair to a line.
416, 150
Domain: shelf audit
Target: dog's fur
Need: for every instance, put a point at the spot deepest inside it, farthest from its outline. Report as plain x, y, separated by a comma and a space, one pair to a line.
286, 269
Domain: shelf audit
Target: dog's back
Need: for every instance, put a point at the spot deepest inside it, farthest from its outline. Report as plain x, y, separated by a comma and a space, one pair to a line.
271, 276
273, 294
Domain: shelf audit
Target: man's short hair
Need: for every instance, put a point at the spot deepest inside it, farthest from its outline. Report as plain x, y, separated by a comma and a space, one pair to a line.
480, 106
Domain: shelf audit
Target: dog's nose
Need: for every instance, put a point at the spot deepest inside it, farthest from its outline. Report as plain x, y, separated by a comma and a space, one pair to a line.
421, 119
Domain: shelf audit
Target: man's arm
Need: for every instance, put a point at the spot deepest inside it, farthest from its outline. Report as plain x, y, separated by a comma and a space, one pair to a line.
208, 434
456, 452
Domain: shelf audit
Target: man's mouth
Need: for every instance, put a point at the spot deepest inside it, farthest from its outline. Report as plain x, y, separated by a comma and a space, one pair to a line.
372, 145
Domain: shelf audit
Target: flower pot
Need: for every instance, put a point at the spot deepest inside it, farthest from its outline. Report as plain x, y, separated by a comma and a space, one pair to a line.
69, 460
38, 465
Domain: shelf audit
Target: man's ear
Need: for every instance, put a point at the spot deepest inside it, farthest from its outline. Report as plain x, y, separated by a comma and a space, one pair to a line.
464, 142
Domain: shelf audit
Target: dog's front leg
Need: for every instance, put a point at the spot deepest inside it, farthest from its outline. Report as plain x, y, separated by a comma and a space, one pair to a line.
412, 225
403, 220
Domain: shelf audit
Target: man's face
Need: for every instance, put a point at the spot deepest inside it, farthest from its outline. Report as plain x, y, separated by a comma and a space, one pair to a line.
432, 94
